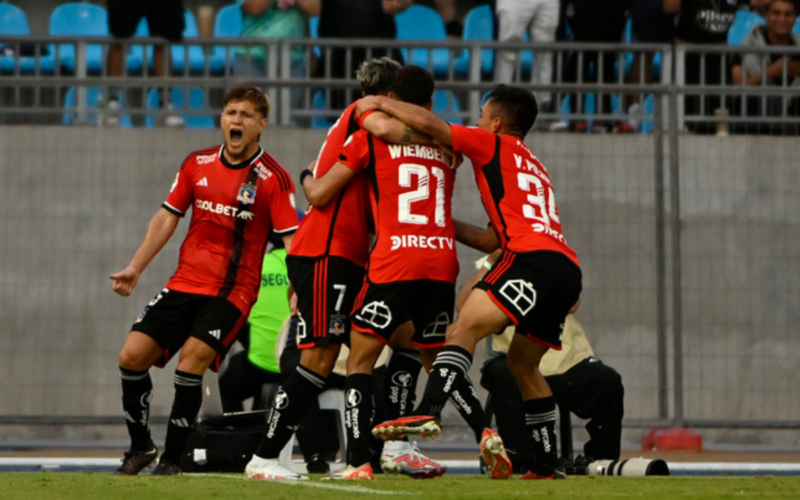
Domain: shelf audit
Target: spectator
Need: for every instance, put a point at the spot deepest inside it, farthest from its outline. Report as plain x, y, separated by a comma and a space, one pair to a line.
165, 20
779, 70
274, 19
649, 24
354, 19
594, 21
540, 17
704, 22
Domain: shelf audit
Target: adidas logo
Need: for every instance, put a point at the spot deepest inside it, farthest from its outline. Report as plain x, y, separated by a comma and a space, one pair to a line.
215, 333
202, 182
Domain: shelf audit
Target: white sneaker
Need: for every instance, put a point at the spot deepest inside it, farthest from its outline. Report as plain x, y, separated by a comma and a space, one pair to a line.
351, 473
111, 112
403, 457
264, 469
173, 120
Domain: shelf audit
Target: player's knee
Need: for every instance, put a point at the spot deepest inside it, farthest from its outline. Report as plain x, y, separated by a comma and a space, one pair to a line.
131, 360
319, 360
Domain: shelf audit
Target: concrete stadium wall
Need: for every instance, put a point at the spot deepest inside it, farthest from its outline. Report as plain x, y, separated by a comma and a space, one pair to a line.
76, 202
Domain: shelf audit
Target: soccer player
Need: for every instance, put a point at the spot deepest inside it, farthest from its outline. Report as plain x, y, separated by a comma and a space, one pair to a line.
238, 194
326, 268
534, 285
413, 265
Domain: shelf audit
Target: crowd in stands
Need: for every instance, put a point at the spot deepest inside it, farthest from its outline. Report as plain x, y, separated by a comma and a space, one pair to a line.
702, 23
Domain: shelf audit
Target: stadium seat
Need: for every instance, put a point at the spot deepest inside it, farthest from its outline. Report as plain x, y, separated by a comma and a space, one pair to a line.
478, 25
742, 25
78, 19
136, 52
197, 59
228, 24
446, 106
13, 21
178, 99
319, 103
94, 96
423, 23
313, 32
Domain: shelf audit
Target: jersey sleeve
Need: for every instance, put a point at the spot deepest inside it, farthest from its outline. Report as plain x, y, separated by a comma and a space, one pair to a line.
282, 209
181, 194
355, 153
475, 143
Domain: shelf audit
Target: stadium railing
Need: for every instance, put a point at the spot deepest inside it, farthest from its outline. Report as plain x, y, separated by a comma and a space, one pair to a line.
31, 86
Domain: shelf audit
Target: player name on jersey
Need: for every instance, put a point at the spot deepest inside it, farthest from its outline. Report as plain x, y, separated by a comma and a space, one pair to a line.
418, 151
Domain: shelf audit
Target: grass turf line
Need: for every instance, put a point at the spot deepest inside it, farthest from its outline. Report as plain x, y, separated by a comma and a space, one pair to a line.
80, 486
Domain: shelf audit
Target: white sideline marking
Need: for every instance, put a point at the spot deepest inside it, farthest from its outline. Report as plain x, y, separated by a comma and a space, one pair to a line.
313, 484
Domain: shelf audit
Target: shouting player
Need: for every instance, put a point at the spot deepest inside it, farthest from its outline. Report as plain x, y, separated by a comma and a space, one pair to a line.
238, 194
413, 265
326, 268
534, 285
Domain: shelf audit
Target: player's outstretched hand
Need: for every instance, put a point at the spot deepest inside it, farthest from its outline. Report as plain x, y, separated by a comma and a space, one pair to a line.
367, 103
456, 159
125, 281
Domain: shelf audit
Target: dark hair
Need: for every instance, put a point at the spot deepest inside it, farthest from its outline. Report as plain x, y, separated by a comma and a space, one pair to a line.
376, 75
250, 94
793, 2
517, 107
414, 85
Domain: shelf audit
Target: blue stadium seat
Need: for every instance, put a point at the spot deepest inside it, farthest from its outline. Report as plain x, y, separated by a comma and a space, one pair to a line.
446, 106
797, 27
78, 19
478, 25
313, 32
197, 59
136, 52
742, 25
13, 21
319, 103
227, 24
423, 23
94, 95
178, 98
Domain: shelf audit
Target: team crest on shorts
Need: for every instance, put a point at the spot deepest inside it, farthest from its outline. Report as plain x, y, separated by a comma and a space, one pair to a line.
336, 324
247, 193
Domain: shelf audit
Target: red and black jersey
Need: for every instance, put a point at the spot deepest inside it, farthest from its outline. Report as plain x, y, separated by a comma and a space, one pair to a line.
340, 228
515, 189
411, 189
234, 209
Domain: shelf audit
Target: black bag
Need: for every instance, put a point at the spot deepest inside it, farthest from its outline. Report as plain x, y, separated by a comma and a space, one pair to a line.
224, 444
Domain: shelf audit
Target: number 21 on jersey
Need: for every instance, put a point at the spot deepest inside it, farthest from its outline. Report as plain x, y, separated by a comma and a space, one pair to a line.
407, 171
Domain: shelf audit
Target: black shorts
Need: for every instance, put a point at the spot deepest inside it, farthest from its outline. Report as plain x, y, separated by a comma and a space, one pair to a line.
172, 317
326, 289
381, 308
164, 18
536, 290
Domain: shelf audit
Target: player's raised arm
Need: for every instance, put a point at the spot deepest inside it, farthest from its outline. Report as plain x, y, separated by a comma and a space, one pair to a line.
416, 117
160, 230
390, 129
482, 238
320, 192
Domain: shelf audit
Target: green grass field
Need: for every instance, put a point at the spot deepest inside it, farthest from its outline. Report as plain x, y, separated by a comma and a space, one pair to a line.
85, 486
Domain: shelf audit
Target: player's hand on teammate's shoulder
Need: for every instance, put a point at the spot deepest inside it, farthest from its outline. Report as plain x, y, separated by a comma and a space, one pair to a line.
456, 159
124, 281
